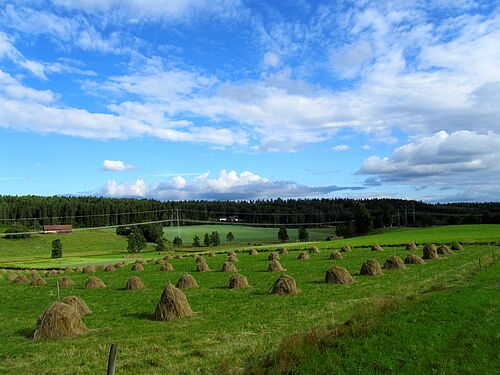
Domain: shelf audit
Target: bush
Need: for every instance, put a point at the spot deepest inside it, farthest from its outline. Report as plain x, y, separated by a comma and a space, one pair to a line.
57, 248
17, 228
136, 241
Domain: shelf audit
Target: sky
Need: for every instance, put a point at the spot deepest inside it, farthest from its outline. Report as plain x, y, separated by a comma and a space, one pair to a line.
234, 99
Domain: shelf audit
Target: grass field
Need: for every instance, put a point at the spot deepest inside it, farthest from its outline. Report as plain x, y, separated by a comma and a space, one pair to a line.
231, 328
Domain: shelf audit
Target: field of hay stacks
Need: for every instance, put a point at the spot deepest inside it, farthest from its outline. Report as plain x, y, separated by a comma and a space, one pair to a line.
230, 330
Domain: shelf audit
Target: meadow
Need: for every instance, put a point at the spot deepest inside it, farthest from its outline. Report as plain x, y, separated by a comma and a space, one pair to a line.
234, 331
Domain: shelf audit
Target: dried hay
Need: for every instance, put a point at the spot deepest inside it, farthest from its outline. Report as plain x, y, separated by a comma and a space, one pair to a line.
167, 257
283, 251
253, 252
173, 305
229, 267
65, 281
94, 283
58, 321
78, 304
394, 262
444, 250
51, 273
211, 254
275, 266
79, 269
38, 281
345, 248
203, 267
413, 259
285, 285
160, 261
303, 256
34, 274
430, 251
11, 276
21, 279
68, 269
377, 247
166, 267
314, 250
338, 275
411, 246
238, 282
457, 246
186, 281
109, 268
229, 253
134, 283
273, 256
336, 255
232, 258
371, 267
137, 267
89, 269
200, 259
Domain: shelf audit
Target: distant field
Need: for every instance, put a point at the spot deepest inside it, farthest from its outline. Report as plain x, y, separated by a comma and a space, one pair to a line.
242, 233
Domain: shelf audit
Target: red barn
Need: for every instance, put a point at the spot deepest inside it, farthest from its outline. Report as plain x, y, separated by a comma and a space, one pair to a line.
64, 229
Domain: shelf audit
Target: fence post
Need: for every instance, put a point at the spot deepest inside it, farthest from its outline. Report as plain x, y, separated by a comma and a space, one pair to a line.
112, 360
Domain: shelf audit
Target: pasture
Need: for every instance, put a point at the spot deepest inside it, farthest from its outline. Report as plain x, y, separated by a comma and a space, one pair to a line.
232, 330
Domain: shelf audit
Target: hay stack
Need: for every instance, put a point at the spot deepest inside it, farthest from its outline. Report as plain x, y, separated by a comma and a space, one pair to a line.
336, 255
173, 305
338, 275
273, 256
444, 250
79, 269
166, 267
89, 269
51, 273
11, 276
200, 259
160, 261
141, 261
275, 266
303, 256
137, 267
253, 252
186, 281
345, 248
34, 274
457, 246
371, 267
285, 285
134, 283
65, 281
411, 246
314, 250
94, 283
78, 304
238, 282
68, 269
38, 281
109, 268
377, 247
178, 256
203, 267
283, 251
413, 259
229, 253
430, 251
394, 262
229, 267
21, 279
211, 254
167, 257
59, 320
232, 258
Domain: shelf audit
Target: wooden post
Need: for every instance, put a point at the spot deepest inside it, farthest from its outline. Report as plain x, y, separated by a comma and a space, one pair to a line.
112, 360
479, 263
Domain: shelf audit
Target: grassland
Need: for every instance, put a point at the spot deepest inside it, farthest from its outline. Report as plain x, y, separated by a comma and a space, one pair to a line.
232, 328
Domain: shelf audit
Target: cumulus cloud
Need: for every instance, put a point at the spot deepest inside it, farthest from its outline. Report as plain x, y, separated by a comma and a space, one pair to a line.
228, 185
462, 160
116, 166
348, 60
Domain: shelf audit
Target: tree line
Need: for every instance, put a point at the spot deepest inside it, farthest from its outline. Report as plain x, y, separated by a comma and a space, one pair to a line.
82, 212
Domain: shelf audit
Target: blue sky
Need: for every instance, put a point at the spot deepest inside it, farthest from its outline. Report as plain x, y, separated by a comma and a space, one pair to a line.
233, 99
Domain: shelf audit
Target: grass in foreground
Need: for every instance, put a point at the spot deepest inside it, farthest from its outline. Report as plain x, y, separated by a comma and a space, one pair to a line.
455, 330
229, 327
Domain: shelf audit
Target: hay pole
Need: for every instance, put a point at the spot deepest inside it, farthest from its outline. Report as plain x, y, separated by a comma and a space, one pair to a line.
112, 360
58, 291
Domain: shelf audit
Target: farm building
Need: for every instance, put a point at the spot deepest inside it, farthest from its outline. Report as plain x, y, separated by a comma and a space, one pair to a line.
64, 229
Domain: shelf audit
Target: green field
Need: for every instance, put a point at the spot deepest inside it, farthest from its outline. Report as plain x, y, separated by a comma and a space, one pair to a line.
232, 330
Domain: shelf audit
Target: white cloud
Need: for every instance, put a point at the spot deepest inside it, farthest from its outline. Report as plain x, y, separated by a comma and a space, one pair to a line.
227, 185
348, 60
462, 160
341, 148
116, 166
271, 59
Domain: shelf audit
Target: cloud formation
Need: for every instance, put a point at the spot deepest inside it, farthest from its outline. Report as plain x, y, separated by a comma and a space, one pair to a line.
228, 185
116, 166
